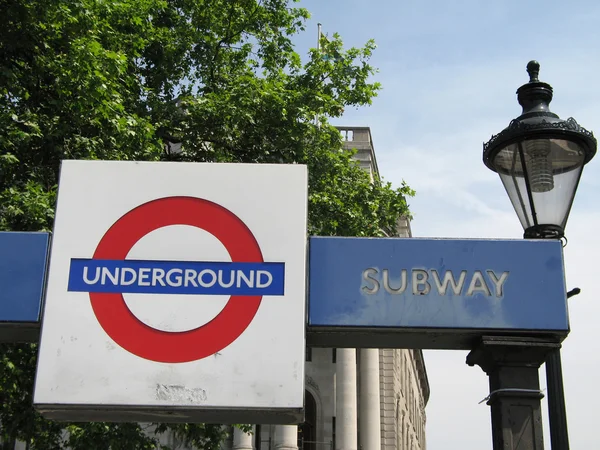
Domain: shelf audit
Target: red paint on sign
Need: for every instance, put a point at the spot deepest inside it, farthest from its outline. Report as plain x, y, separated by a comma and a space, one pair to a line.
176, 347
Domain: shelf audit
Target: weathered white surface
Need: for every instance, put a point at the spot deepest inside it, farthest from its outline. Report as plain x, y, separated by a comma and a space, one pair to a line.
81, 366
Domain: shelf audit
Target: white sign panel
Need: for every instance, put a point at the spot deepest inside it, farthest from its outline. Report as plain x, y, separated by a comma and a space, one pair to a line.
176, 292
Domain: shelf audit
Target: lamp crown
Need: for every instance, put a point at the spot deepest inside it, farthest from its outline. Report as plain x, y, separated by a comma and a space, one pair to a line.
533, 69
535, 96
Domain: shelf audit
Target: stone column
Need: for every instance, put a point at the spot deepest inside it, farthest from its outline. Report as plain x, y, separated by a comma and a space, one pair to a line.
370, 407
512, 365
286, 437
241, 440
345, 400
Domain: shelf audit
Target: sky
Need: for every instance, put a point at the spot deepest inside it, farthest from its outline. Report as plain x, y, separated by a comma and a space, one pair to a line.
449, 72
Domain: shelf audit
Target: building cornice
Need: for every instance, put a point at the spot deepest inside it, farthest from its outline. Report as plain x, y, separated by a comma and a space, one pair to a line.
369, 141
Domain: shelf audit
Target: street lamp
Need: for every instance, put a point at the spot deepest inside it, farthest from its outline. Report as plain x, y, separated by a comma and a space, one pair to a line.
539, 158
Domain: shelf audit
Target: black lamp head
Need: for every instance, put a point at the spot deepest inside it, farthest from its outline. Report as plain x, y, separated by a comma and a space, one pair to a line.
539, 158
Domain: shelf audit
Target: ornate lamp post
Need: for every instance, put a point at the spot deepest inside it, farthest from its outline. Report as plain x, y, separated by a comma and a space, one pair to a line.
540, 158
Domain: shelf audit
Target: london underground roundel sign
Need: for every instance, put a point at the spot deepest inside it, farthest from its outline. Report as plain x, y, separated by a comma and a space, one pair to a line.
164, 346
176, 289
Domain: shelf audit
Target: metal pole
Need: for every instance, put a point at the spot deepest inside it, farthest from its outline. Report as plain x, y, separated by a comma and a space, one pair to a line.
557, 412
319, 36
512, 365
257, 437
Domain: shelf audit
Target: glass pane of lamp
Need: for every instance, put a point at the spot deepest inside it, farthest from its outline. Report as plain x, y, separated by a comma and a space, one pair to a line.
553, 167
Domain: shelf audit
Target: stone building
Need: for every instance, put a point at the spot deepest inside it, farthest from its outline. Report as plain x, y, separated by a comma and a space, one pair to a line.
367, 399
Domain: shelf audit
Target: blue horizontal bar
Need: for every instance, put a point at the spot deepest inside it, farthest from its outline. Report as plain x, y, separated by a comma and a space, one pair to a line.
176, 277
23, 259
437, 284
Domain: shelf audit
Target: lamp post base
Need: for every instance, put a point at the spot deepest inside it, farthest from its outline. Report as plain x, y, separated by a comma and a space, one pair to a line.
512, 365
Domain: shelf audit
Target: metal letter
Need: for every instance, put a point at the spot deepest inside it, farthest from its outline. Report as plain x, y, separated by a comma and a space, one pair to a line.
419, 278
210, 273
144, 277
190, 277
177, 279
231, 280
478, 284
442, 286
498, 282
113, 277
366, 276
86, 280
264, 284
249, 280
386, 282
124, 280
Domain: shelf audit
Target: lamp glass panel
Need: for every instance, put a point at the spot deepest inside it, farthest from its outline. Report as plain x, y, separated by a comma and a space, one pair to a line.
553, 167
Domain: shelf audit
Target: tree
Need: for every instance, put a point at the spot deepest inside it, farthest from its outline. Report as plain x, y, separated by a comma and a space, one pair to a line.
100, 79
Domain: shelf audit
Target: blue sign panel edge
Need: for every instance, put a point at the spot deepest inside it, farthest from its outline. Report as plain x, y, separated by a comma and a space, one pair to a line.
24, 327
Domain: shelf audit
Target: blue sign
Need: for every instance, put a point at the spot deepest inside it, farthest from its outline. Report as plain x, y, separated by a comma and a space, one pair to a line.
176, 277
433, 293
22, 273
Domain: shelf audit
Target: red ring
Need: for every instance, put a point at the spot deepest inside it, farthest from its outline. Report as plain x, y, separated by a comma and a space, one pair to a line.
176, 347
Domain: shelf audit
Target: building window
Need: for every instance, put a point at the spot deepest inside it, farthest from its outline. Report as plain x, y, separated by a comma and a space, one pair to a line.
347, 135
333, 432
307, 432
334, 356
